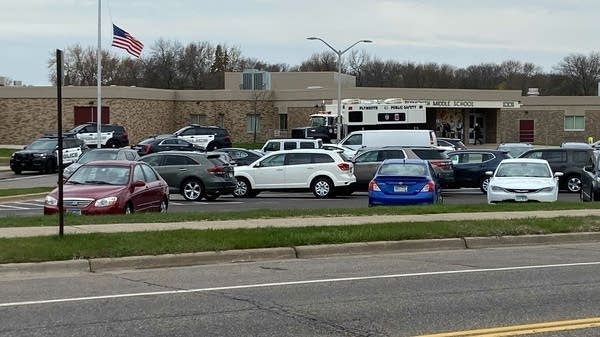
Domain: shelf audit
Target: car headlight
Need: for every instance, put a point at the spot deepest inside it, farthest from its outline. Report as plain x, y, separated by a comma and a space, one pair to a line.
105, 202
51, 201
497, 189
41, 155
12, 155
547, 189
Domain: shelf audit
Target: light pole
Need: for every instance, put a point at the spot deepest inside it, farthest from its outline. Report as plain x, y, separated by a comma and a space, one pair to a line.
339, 53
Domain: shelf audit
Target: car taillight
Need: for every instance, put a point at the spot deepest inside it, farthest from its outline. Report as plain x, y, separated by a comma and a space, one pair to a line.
147, 148
125, 134
429, 187
227, 138
344, 166
218, 170
440, 163
373, 186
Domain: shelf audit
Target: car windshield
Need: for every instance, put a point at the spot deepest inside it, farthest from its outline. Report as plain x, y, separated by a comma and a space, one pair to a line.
523, 170
43, 144
400, 169
100, 175
97, 155
317, 121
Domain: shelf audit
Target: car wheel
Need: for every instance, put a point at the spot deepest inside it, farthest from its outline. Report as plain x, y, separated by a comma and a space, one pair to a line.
164, 205
17, 171
192, 189
212, 147
483, 184
212, 196
113, 143
322, 187
573, 184
243, 189
439, 199
129, 208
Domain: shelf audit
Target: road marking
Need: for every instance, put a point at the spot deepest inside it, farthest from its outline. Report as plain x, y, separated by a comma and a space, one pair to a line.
28, 203
292, 283
14, 207
526, 329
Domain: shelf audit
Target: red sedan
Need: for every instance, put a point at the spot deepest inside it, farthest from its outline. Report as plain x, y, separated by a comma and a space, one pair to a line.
111, 187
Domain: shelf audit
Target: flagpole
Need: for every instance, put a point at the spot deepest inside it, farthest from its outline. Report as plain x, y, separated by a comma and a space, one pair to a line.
99, 78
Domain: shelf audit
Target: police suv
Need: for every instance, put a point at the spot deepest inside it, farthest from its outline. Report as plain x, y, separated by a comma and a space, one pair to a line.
42, 154
112, 135
207, 137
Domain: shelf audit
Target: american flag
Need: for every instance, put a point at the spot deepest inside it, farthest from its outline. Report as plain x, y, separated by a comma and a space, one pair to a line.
122, 39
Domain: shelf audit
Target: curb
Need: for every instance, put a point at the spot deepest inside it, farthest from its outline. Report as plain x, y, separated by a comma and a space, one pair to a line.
297, 252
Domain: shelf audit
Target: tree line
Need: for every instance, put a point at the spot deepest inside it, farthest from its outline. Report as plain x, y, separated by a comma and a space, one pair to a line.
168, 64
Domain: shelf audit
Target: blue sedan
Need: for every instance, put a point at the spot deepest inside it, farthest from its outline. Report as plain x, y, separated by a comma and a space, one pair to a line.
404, 182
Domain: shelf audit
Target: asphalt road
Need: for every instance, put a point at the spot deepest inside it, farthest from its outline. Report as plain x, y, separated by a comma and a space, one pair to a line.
265, 200
381, 295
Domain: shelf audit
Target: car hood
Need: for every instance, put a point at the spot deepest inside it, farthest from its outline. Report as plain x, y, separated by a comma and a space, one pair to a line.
523, 182
88, 191
34, 151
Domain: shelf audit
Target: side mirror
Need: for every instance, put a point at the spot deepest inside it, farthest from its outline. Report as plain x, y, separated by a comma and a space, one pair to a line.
558, 174
588, 168
489, 173
139, 183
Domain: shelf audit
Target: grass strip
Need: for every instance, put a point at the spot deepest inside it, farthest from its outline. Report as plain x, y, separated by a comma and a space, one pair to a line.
19, 191
5, 153
32, 221
96, 245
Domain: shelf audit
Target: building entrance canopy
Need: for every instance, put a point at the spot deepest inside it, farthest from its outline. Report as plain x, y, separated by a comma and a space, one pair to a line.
436, 103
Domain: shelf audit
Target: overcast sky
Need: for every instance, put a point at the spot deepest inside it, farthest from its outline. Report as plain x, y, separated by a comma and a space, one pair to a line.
455, 32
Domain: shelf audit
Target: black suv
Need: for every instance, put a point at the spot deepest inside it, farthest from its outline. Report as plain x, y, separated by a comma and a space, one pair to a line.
112, 135
209, 138
41, 154
470, 166
569, 161
590, 180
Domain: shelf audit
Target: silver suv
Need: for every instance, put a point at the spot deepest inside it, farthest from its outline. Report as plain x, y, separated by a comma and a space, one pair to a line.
323, 172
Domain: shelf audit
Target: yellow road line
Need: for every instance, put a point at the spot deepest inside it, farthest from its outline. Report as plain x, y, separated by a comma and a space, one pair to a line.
517, 330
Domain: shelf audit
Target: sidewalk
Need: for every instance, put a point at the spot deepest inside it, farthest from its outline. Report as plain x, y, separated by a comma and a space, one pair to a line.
14, 232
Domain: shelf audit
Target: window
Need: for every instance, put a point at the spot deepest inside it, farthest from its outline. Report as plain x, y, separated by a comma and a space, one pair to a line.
150, 175
283, 125
307, 145
275, 160
298, 158
354, 140
198, 119
178, 160
252, 123
272, 146
138, 174
322, 158
554, 156
355, 116
289, 145
368, 157
221, 120
574, 123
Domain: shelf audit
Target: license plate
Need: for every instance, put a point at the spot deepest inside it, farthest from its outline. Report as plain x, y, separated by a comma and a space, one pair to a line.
400, 188
74, 211
520, 198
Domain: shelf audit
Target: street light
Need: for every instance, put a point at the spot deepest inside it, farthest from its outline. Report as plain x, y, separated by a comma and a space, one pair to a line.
339, 53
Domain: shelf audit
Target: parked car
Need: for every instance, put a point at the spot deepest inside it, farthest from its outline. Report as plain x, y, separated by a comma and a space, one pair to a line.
439, 160
111, 187
206, 137
374, 138
42, 154
194, 175
101, 154
470, 167
577, 145
348, 152
112, 135
569, 161
367, 161
452, 143
523, 180
241, 156
404, 182
290, 144
590, 179
323, 172
161, 143
514, 149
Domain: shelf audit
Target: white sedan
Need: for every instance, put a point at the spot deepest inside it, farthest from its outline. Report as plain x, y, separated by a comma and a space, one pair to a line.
521, 180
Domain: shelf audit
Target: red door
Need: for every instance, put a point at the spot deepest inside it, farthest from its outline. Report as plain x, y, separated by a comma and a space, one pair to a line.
526, 132
86, 114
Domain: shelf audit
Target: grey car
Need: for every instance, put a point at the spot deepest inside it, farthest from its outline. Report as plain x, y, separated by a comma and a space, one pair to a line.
193, 174
367, 160
101, 154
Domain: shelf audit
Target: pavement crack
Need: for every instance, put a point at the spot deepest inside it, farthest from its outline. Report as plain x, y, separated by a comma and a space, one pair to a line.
302, 317
162, 286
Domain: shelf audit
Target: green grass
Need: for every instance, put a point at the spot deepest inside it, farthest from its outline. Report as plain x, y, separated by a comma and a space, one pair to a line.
185, 241
6, 152
19, 191
267, 213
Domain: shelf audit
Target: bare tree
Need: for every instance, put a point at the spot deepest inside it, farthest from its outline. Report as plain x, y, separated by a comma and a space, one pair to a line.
259, 99
582, 72
325, 61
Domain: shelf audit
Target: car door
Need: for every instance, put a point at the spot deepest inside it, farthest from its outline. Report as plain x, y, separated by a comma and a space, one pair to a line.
154, 187
269, 173
141, 196
298, 169
365, 166
175, 168
468, 168
71, 151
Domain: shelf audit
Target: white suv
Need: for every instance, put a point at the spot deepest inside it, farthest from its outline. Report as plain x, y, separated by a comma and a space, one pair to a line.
323, 172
